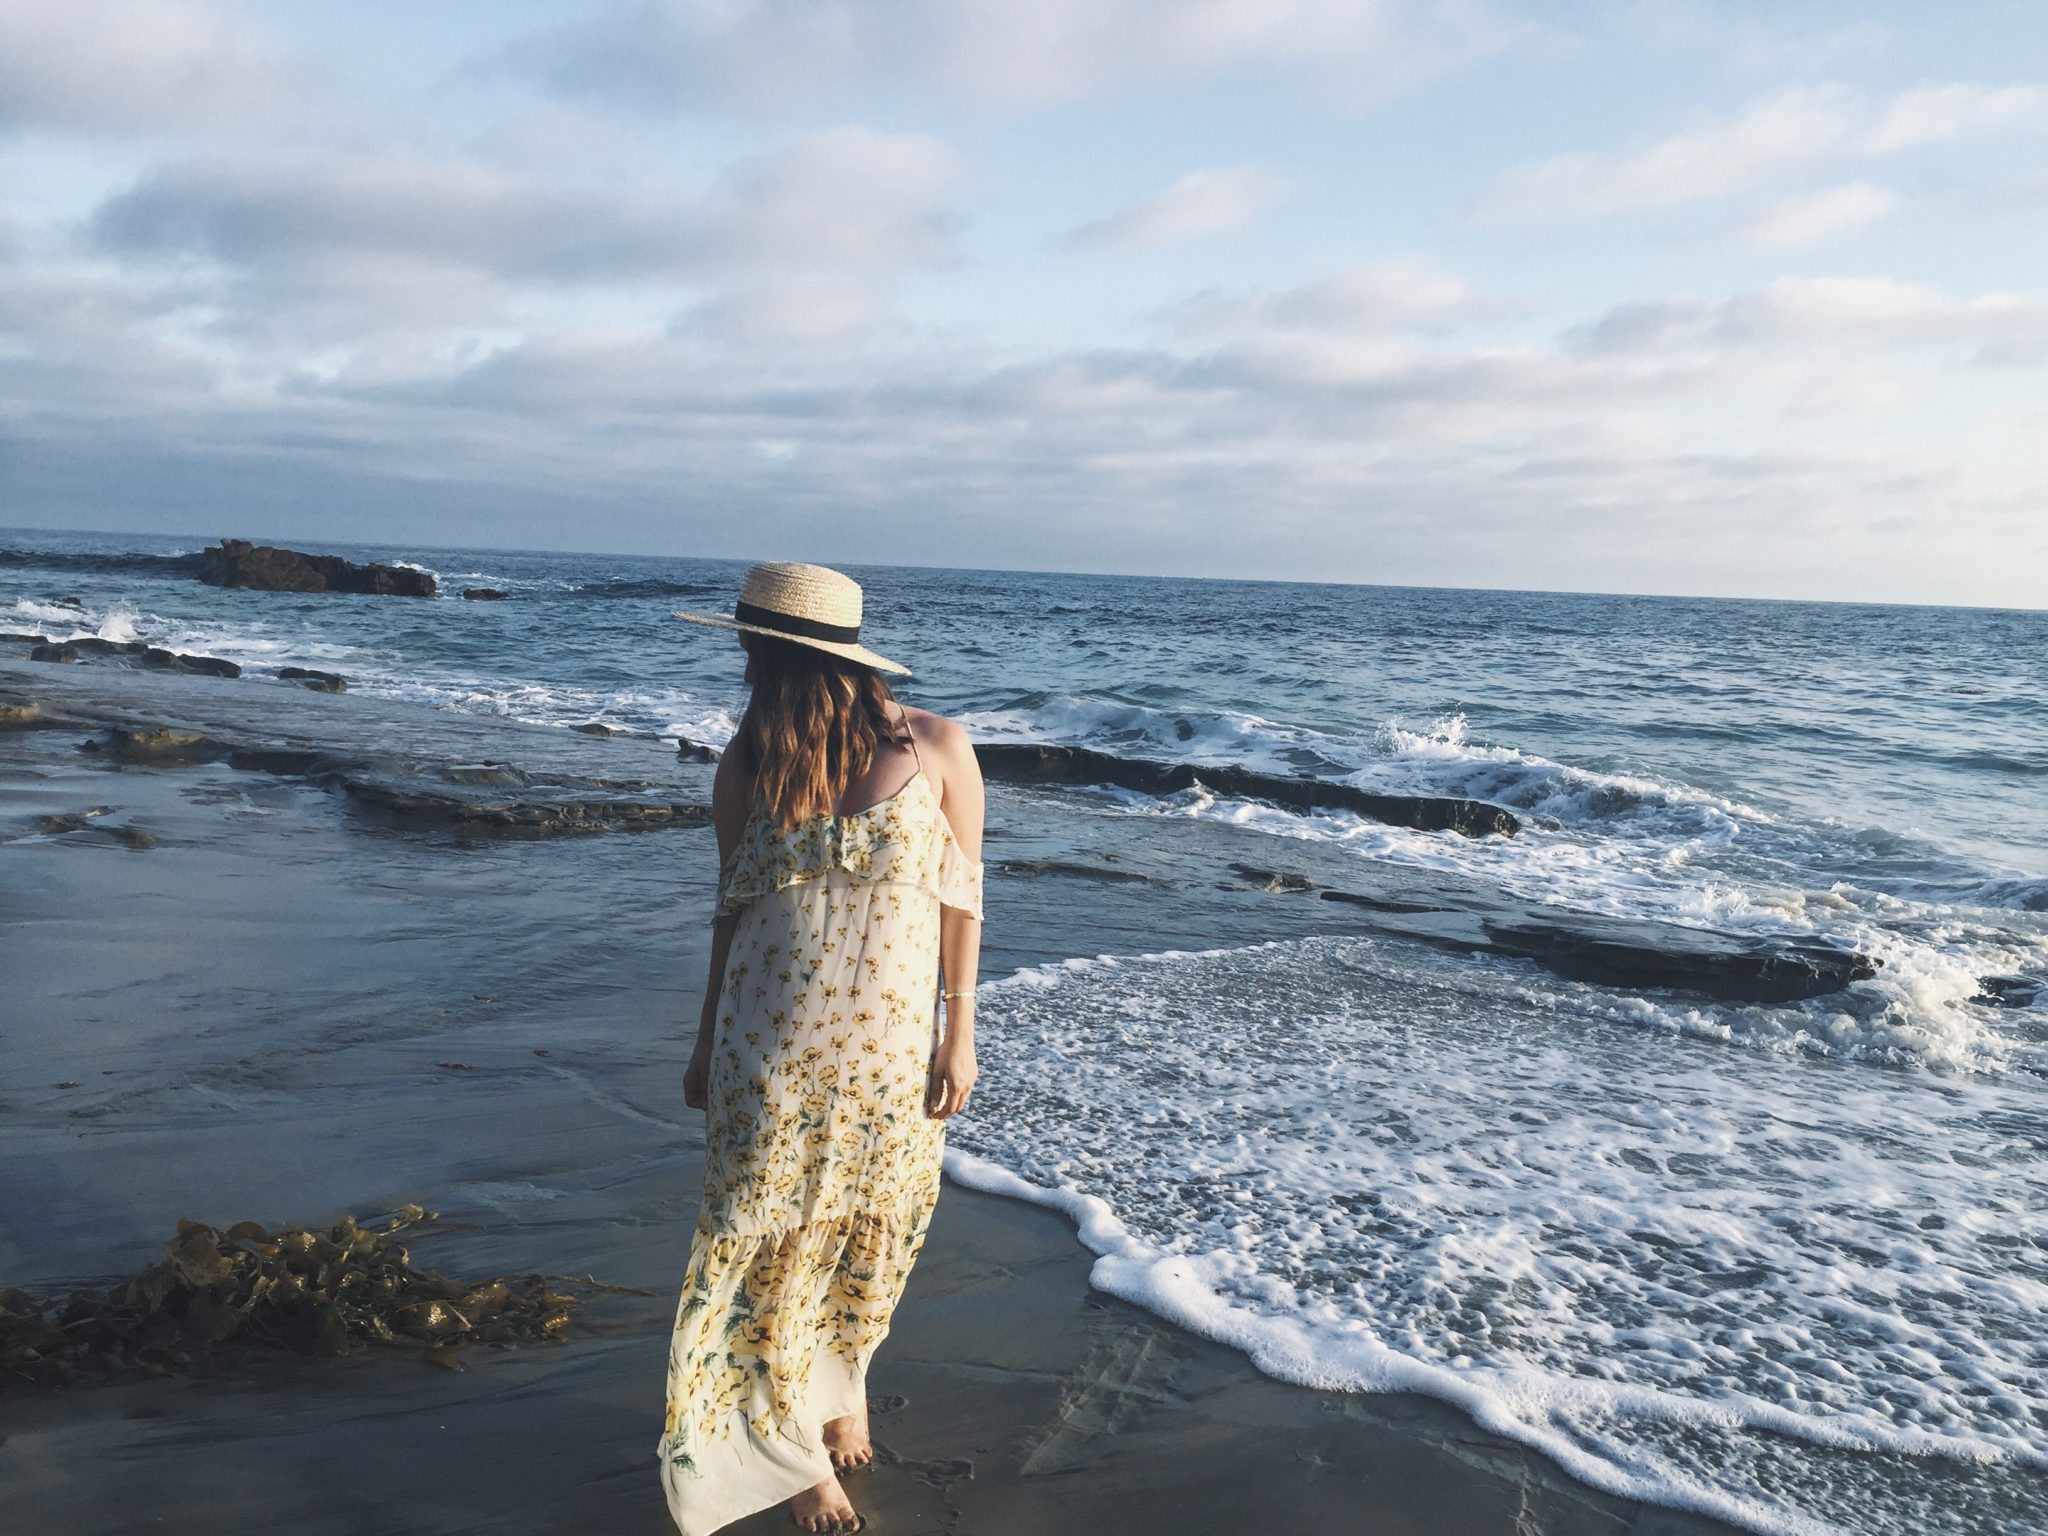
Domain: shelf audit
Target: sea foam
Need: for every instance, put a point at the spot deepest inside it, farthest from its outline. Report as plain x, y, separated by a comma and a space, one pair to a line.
1660, 1261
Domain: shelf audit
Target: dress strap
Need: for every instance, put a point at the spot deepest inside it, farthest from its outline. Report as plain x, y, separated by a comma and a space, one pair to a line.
916, 756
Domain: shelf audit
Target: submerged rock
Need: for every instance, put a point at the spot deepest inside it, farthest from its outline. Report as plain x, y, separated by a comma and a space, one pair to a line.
1613, 952
160, 744
160, 660
485, 594
597, 728
695, 751
337, 1292
1627, 953
1273, 880
2010, 992
319, 682
1076, 870
499, 774
97, 830
548, 814
135, 653
1034, 763
487, 799
266, 568
19, 714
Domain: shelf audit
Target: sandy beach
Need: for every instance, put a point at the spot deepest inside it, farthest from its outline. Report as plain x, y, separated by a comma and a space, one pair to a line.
237, 994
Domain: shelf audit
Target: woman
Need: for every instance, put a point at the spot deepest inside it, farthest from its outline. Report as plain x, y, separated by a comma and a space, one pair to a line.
849, 884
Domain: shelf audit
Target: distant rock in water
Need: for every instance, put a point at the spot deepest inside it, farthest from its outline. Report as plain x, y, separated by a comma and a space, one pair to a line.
176, 661
597, 728
133, 653
319, 682
485, 594
695, 751
1631, 953
1616, 952
1033, 763
265, 568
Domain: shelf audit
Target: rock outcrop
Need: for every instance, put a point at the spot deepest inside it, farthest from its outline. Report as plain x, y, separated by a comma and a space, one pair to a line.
266, 568
1612, 952
1635, 954
1032, 763
132, 653
485, 594
319, 682
161, 660
161, 744
484, 799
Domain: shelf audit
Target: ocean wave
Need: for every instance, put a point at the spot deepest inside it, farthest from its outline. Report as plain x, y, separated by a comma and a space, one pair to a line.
626, 586
1665, 1268
132, 562
2016, 894
1438, 759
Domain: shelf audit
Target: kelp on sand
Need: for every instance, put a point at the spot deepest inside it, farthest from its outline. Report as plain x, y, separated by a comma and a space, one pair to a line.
334, 1293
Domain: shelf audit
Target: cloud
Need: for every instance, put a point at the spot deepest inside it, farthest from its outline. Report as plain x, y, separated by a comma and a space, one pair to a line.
1200, 206
803, 312
1773, 136
1386, 296
843, 198
775, 54
847, 197
1812, 217
1337, 408
1795, 311
125, 66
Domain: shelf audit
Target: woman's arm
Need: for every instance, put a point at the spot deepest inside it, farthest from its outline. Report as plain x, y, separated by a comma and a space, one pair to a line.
728, 817
961, 798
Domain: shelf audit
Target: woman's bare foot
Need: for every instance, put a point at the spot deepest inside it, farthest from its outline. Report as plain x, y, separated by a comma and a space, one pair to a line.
847, 1442
824, 1507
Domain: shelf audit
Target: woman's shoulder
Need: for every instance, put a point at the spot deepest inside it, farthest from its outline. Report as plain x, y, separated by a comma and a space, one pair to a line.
939, 734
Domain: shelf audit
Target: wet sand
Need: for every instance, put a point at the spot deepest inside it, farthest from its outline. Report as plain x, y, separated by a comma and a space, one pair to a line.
278, 1010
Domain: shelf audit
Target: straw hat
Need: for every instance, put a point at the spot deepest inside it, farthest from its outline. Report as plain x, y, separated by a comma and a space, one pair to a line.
809, 604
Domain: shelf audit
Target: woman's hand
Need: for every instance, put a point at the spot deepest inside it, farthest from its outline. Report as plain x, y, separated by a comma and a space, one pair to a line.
697, 1074
952, 1076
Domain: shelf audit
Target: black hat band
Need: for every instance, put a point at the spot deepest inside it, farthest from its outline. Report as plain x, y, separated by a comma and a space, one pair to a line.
792, 624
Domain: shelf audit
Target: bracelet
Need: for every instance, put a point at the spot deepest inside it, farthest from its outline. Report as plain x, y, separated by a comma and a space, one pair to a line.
963, 992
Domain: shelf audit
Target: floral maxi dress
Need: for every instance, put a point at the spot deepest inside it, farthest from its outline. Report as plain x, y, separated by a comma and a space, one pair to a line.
821, 1164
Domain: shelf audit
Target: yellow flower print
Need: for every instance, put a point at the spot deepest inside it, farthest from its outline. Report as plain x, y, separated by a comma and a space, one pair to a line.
816, 1196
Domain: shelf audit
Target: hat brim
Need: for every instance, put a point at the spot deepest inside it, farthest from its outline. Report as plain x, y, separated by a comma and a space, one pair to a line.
859, 653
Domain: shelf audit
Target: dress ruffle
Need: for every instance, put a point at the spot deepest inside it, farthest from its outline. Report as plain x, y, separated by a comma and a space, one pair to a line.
882, 843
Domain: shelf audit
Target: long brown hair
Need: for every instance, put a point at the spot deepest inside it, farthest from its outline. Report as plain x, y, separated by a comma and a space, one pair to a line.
813, 724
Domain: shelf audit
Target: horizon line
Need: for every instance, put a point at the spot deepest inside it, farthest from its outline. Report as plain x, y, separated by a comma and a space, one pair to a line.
1034, 570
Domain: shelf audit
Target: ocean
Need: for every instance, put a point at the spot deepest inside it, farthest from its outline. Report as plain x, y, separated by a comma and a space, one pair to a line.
1781, 1262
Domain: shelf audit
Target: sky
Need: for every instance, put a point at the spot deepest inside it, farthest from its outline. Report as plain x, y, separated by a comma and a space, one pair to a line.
1677, 296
